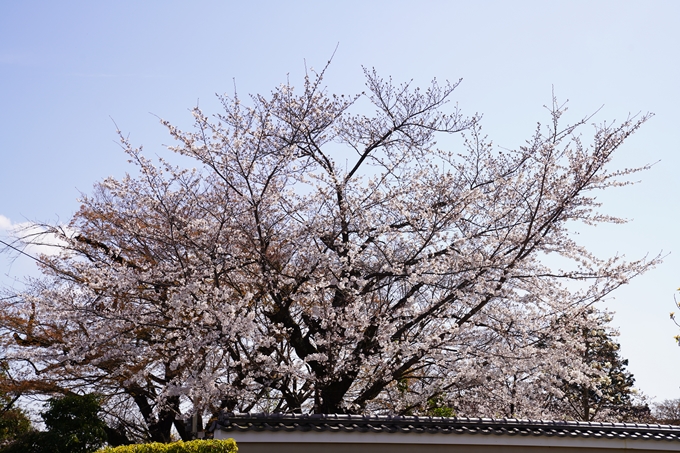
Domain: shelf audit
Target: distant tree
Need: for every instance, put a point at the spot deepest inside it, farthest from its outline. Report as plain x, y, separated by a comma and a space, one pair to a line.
667, 412
326, 255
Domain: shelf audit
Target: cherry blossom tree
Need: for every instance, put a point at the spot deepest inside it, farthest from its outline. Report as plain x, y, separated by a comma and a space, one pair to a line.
668, 412
321, 259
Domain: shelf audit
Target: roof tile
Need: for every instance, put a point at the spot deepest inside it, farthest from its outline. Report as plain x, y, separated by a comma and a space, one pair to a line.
450, 426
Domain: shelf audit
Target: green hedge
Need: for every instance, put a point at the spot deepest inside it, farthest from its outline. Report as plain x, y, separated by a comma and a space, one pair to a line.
194, 446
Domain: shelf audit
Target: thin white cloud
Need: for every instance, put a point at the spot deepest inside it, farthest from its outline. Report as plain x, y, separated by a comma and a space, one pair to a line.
42, 243
5, 223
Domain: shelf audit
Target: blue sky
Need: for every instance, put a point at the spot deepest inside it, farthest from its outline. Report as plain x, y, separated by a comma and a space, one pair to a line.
69, 69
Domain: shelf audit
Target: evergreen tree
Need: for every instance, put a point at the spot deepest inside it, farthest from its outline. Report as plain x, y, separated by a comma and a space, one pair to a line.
73, 426
606, 392
73, 423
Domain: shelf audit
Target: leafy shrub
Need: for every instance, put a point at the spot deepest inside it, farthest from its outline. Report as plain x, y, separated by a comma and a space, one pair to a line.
194, 446
13, 424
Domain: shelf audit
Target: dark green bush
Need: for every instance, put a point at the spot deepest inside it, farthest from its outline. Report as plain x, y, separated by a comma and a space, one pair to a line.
193, 446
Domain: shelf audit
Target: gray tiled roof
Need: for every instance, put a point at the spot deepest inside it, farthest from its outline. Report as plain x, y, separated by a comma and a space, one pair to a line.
478, 426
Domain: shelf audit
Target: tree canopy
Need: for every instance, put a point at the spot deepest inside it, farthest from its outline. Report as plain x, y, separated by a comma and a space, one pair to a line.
321, 259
